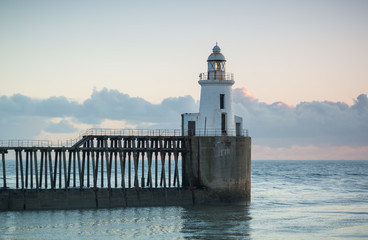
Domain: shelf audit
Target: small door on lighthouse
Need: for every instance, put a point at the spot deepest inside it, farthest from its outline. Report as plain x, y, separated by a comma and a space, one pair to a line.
191, 128
223, 123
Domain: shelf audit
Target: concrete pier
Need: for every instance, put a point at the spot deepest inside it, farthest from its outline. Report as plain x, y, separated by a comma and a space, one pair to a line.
121, 171
222, 165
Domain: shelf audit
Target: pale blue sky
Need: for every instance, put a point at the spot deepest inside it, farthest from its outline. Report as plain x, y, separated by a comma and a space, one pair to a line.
287, 51
81, 64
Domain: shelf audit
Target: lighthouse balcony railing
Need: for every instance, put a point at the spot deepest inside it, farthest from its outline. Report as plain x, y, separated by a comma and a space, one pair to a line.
224, 76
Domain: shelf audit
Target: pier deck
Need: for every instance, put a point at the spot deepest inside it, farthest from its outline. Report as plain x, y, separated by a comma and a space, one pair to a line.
108, 169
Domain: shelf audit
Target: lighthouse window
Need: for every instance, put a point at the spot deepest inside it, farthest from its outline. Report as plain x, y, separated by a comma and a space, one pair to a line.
211, 66
222, 101
220, 66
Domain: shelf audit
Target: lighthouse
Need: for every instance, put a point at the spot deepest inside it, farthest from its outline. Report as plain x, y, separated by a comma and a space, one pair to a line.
218, 153
216, 115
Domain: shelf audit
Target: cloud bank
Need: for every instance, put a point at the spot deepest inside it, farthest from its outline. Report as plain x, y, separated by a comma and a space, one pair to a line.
23, 117
316, 123
309, 130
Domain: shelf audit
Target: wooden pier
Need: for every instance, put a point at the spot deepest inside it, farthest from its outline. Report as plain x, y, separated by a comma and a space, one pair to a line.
99, 162
117, 169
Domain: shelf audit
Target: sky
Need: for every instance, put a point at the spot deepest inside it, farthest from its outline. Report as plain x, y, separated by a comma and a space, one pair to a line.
300, 69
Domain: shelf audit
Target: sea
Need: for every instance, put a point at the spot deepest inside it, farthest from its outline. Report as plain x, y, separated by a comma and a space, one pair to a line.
290, 200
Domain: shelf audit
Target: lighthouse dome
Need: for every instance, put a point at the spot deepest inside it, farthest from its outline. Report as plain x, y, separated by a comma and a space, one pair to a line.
216, 54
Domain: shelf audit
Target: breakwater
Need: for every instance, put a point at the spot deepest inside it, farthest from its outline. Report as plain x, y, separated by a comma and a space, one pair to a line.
118, 170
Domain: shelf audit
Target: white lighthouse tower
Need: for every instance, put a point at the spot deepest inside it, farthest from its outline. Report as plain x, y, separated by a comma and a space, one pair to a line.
216, 116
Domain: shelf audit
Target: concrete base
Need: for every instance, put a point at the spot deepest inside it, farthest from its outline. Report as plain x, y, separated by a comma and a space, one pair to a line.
46, 199
221, 164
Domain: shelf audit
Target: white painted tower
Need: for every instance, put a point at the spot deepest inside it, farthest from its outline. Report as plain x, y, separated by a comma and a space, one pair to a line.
216, 116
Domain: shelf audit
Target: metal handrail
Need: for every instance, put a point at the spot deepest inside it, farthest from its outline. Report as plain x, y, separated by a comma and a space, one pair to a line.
225, 76
90, 132
132, 132
25, 143
121, 132
216, 132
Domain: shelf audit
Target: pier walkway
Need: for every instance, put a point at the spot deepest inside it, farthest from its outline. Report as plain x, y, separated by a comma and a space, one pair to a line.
100, 158
106, 168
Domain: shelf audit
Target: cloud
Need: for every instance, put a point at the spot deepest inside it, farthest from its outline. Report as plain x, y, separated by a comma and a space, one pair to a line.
310, 129
20, 105
25, 117
279, 124
114, 105
64, 126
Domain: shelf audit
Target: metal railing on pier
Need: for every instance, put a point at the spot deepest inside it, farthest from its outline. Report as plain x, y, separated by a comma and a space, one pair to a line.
25, 143
37, 143
121, 132
90, 132
132, 132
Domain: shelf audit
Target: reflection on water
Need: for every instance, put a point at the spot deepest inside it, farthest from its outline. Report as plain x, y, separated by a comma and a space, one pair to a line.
214, 222
136, 223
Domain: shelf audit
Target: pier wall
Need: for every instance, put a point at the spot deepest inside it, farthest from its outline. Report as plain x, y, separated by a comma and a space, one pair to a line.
46, 199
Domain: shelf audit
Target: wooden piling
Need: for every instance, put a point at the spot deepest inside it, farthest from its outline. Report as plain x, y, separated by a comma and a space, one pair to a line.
116, 165
88, 155
156, 165
69, 168
16, 170
41, 169
144, 150
36, 167
52, 181
60, 168
122, 165
80, 170
21, 168
129, 164
55, 168
149, 176
27, 160
74, 170
66, 185
135, 158
4, 168
45, 153
169, 160
31, 168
